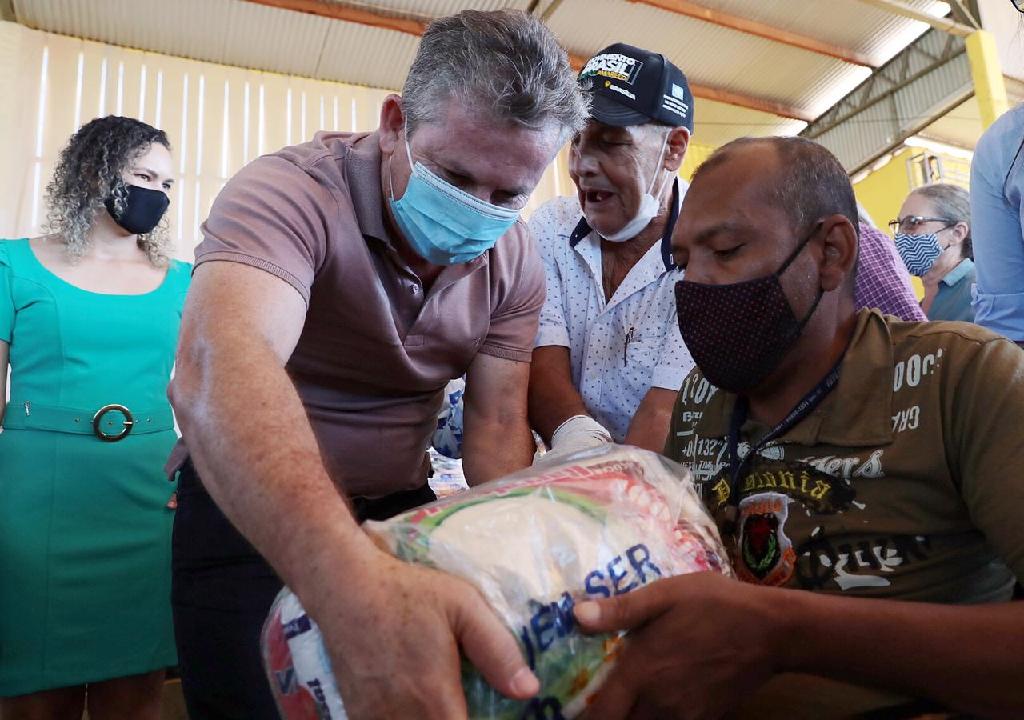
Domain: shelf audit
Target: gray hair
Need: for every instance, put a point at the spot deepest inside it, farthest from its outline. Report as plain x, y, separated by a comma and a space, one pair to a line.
953, 204
505, 61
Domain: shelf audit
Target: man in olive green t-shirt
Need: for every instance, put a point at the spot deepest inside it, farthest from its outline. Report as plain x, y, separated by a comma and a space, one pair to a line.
860, 458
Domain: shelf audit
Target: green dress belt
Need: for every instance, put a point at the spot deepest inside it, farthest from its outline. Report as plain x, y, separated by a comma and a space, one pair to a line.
109, 423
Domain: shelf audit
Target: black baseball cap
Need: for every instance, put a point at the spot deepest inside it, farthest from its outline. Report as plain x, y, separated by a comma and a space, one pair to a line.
631, 86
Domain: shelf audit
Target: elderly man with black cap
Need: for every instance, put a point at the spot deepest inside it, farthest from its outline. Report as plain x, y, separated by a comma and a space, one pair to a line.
609, 359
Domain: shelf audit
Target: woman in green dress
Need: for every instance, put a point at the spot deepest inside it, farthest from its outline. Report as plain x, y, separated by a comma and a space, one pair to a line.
88, 324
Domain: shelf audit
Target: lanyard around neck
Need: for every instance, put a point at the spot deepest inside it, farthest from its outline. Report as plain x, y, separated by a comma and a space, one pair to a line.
740, 412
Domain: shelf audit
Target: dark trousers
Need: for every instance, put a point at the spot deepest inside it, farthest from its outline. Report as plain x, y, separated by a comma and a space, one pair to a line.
221, 593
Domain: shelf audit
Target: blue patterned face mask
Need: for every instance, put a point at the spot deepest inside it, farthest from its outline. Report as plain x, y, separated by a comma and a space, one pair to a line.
443, 224
919, 252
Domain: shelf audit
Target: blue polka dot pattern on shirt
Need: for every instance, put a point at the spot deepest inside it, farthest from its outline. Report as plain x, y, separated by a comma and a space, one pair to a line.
618, 349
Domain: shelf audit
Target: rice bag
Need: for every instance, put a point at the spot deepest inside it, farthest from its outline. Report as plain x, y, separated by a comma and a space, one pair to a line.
602, 522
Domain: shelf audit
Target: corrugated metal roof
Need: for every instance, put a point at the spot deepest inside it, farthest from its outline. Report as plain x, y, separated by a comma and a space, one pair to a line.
849, 25
165, 27
962, 125
438, 8
247, 34
708, 54
873, 120
272, 39
367, 56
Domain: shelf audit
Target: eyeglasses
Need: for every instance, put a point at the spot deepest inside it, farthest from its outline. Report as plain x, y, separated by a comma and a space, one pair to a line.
910, 223
1019, 4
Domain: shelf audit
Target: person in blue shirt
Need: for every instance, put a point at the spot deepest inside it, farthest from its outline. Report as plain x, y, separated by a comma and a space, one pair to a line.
997, 180
933, 236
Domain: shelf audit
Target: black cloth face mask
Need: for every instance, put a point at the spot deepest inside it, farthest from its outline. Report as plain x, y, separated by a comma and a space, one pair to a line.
739, 333
143, 209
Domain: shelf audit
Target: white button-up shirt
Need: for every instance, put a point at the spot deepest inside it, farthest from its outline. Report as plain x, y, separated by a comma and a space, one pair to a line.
620, 348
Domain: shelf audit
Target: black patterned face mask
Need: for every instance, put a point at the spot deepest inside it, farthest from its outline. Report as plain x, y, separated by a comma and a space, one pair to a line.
739, 333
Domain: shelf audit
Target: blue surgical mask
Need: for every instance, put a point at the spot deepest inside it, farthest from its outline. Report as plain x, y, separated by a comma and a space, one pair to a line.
443, 224
919, 252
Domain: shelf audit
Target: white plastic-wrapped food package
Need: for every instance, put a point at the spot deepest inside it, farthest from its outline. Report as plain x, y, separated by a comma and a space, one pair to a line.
600, 523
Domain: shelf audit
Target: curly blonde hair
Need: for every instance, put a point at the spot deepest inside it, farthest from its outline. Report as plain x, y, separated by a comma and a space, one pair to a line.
89, 171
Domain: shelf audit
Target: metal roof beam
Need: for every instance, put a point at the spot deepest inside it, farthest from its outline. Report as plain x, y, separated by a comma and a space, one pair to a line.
349, 13
942, 24
706, 92
966, 12
750, 102
926, 80
550, 10
762, 30
412, 26
416, 27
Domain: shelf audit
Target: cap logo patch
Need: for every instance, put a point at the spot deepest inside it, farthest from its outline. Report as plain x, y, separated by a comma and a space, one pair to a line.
613, 65
620, 90
677, 92
675, 106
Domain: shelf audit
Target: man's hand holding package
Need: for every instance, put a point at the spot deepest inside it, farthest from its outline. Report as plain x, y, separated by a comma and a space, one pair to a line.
395, 643
697, 646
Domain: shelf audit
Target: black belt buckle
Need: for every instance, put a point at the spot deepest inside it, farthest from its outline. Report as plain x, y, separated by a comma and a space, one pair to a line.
129, 422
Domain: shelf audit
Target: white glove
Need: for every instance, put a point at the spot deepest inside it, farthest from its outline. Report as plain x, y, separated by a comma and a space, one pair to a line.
577, 433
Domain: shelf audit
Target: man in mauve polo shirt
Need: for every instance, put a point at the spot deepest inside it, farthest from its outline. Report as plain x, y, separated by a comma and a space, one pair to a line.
340, 284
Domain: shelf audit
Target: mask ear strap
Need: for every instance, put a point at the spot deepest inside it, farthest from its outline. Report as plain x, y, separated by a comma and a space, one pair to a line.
817, 298
391, 184
658, 168
408, 152
807, 317
798, 248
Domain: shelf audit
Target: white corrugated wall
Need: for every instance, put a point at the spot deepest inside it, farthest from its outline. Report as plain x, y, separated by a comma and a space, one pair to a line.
218, 118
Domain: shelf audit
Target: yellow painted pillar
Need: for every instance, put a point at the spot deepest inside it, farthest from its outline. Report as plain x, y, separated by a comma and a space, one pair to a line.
989, 88
696, 153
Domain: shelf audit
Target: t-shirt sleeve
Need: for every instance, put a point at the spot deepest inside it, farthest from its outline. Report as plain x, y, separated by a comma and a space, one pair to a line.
674, 361
683, 419
986, 417
6, 297
672, 449
552, 328
271, 215
514, 320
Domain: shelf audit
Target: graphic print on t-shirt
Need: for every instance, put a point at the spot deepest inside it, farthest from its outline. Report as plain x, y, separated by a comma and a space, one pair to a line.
762, 552
805, 480
888, 483
765, 552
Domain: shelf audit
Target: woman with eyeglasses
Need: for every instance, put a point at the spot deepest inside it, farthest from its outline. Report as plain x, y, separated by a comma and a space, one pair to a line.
933, 236
89, 319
